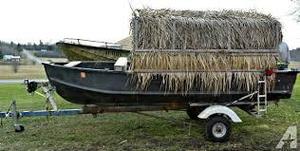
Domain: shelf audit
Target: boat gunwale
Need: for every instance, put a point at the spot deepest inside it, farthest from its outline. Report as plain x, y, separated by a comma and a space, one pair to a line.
86, 69
95, 47
131, 72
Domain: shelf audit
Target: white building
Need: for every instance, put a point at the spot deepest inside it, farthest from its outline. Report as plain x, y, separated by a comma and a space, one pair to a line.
10, 58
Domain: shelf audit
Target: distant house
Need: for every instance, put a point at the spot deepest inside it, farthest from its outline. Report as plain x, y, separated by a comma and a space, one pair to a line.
11, 58
44, 50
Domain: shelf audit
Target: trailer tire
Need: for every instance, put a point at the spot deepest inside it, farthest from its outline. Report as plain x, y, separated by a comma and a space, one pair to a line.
19, 128
218, 129
193, 112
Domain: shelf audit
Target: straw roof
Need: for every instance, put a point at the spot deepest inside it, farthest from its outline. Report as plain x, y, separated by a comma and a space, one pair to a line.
172, 29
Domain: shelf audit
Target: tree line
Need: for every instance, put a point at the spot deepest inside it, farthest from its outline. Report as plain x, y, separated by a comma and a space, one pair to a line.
13, 48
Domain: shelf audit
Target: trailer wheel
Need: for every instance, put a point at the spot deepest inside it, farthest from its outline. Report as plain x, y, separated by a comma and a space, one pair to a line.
218, 129
193, 112
19, 128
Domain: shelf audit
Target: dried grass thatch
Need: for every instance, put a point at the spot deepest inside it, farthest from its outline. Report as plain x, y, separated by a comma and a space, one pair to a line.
193, 50
166, 61
170, 29
211, 82
217, 73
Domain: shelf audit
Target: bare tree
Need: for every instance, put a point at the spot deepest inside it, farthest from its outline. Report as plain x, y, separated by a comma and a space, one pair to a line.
296, 10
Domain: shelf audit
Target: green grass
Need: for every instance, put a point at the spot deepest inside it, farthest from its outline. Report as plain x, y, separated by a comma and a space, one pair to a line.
130, 131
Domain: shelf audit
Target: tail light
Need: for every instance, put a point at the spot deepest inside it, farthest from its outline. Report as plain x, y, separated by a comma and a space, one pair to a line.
269, 72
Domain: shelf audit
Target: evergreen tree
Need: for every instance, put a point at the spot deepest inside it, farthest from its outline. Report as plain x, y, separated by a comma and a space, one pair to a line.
1, 55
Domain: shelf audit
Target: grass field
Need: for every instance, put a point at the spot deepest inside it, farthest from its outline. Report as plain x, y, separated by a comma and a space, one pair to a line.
294, 64
130, 131
24, 72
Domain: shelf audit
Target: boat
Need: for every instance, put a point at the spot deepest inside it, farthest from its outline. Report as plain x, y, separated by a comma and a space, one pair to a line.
89, 50
103, 84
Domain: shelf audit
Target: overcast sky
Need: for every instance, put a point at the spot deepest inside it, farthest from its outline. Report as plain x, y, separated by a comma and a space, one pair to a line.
52, 20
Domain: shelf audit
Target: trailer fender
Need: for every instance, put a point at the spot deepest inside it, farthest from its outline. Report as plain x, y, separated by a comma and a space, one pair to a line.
219, 109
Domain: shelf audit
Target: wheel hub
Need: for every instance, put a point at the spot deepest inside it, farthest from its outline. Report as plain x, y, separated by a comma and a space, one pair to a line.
219, 130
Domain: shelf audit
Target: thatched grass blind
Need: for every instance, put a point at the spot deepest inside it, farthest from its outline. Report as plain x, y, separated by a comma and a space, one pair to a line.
203, 50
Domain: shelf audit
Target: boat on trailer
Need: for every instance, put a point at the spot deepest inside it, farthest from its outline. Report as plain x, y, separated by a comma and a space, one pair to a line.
108, 87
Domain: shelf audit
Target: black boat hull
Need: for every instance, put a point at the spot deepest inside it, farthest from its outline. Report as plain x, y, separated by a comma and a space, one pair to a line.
91, 83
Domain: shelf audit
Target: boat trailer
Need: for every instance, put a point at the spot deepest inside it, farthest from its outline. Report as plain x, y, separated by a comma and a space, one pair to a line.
218, 117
